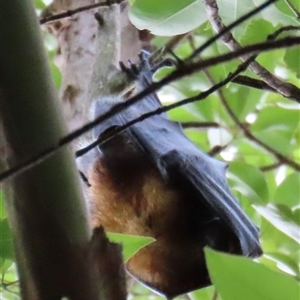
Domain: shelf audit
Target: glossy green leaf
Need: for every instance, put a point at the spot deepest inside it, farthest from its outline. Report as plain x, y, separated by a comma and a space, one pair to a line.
39, 4
288, 192
296, 215
276, 17
276, 118
131, 243
292, 59
166, 18
285, 8
249, 181
239, 278
5, 264
284, 262
3, 213
274, 126
6, 243
278, 220
257, 31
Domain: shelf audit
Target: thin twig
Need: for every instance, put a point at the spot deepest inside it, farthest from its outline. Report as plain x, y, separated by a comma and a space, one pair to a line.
274, 35
169, 46
215, 295
252, 138
271, 167
70, 13
247, 133
254, 83
196, 124
217, 150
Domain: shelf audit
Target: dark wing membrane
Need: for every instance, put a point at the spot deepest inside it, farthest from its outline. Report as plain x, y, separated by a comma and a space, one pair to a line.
175, 155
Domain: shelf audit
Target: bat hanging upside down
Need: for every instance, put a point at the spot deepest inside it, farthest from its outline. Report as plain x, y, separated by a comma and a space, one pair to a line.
151, 180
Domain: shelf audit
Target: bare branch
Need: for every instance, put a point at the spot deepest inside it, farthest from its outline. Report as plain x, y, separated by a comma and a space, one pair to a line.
186, 125
285, 89
70, 13
271, 167
216, 150
274, 35
254, 83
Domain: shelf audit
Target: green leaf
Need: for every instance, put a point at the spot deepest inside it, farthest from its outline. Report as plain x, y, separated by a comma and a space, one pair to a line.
284, 262
257, 31
3, 213
131, 243
231, 10
239, 278
167, 18
276, 17
292, 59
275, 126
203, 294
5, 264
249, 181
273, 215
276, 118
39, 4
6, 243
56, 75
288, 191
285, 8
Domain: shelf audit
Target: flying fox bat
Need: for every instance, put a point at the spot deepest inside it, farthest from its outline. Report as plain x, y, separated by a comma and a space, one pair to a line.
151, 180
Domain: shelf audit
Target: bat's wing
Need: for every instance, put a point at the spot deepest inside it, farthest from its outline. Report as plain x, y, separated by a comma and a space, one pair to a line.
176, 156
178, 159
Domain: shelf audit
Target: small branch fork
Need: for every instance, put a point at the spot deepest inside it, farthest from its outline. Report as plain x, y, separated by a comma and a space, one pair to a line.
285, 89
185, 68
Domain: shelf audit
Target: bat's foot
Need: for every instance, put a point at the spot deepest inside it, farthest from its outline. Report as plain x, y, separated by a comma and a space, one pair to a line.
133, 70
144, 68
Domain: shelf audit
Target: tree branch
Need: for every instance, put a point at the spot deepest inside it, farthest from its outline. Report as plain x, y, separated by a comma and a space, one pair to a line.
70, 13
285, 89
186, 125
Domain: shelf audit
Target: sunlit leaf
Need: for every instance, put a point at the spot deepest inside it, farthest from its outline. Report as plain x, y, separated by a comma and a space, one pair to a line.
239, 278
6, 243
291, 57
249, 181
3, 213
131, 243
257, 31
273, 215
163, 17
288, 192
284, 7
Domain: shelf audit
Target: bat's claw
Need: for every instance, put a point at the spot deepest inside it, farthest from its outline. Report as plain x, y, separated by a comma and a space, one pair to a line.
144, 68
